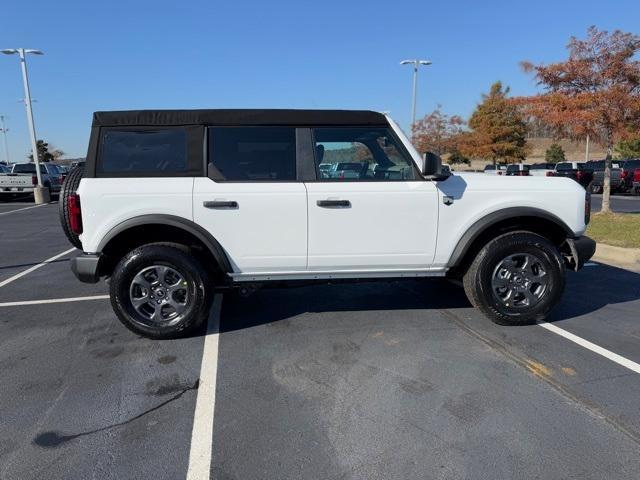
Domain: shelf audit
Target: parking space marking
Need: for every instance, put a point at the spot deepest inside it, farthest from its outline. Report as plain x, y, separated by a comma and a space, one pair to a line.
614, 357
35, 267
53, 300
202, 433
21, 209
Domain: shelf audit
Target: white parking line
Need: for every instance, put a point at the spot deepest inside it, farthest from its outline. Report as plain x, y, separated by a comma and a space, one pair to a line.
25, 208
614, 357
202, 433
35, 267
53, 300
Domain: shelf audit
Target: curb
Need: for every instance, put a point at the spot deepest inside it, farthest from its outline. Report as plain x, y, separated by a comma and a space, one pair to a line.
628, 258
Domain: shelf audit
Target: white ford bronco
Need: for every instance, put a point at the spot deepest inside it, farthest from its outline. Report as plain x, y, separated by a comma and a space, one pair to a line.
174, 204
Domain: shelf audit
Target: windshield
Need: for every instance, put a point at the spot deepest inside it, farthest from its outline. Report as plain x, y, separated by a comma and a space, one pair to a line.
27, 168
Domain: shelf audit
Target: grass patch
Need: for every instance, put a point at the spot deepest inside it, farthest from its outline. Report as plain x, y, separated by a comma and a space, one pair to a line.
619, 229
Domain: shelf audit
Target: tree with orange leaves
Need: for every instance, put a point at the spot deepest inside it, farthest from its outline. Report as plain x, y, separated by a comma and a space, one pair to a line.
437, 132
595, 92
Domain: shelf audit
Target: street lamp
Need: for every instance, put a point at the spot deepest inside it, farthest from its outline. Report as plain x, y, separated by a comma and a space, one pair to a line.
4, 131
40, 195
416, 64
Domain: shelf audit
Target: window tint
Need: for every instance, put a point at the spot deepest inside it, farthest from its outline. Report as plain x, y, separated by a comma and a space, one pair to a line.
144, 151
253, 153
564, 166
489, 167
360, 154
631, 164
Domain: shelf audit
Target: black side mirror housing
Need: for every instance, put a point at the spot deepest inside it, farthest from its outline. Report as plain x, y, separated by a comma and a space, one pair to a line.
432, 168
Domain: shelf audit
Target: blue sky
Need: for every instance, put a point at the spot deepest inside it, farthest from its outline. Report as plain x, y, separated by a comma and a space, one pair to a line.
275, 54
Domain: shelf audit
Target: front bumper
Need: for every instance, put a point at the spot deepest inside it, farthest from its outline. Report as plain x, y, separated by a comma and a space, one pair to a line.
580, 251
86, 267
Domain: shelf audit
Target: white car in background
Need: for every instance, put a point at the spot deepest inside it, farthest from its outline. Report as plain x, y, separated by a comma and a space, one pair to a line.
495, 169
541, 169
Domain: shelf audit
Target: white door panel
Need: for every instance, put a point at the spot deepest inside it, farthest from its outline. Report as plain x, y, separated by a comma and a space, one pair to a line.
266, 232
387, 225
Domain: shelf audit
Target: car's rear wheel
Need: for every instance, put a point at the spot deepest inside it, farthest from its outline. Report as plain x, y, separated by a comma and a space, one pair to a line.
160, 291
69, 187
595, 188
516, 278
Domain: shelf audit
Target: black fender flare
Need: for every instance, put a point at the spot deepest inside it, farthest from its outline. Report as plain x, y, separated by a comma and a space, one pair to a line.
174, 221
475, 230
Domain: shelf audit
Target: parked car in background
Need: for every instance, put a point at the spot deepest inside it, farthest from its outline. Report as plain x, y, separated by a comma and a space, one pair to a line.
577, 171
636, 182
541, 169
597, 183
517, 170
498, 169
627, 173
23, 178
4, 169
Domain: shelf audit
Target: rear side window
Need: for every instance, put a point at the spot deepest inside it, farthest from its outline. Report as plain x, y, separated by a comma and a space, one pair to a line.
253, 154
144, 151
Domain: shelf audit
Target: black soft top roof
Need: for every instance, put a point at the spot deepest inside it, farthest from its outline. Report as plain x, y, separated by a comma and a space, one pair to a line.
238, 117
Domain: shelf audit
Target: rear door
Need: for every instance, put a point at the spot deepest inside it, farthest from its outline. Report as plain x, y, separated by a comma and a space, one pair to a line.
252, 202
382, 216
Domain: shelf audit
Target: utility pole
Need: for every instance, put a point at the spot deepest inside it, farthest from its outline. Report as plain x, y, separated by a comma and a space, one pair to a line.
40, 194
416, 63
4, 131
586, 153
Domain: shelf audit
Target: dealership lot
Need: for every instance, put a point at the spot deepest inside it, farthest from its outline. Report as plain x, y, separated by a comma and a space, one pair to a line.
373, 380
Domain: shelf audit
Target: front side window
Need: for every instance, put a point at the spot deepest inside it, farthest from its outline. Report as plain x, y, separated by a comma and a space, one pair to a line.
153, 151
360, 154
253, 154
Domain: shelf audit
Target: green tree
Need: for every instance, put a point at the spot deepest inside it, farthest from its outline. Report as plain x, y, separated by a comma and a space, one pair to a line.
498, 129
44, 155
628, 148
554, 154
458, 158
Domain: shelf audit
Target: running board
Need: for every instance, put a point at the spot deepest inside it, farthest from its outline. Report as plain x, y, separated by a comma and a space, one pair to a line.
269, 276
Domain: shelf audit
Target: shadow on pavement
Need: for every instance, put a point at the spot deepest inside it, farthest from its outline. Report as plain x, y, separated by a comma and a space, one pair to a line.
270, 305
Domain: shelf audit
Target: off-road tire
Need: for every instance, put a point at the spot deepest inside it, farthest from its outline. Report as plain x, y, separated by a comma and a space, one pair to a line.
199, 288
69, 187
477, 279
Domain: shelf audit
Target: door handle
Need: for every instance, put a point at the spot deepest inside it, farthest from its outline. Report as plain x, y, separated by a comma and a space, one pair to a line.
221, 204
334, 203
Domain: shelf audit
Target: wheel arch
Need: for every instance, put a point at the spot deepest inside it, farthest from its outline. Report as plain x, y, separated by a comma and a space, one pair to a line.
156, 228
502, 221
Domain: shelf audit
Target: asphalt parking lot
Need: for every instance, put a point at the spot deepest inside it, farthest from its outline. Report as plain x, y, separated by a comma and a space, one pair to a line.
350, 381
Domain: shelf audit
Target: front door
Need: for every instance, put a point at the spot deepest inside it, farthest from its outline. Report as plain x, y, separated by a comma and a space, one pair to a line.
369, 209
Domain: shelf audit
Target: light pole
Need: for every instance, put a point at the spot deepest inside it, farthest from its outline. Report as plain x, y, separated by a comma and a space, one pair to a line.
4, 131
416, 64
40, 195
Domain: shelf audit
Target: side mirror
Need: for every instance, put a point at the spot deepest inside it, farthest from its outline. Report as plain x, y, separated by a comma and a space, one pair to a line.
432, 168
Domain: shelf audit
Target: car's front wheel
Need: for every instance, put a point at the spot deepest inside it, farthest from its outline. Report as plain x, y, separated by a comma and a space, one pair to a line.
160, 291
516, 278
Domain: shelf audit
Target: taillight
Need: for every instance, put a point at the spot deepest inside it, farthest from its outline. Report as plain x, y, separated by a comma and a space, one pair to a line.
549, 174
579, 175
34, 180
75, 213
587, 207
636, 175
